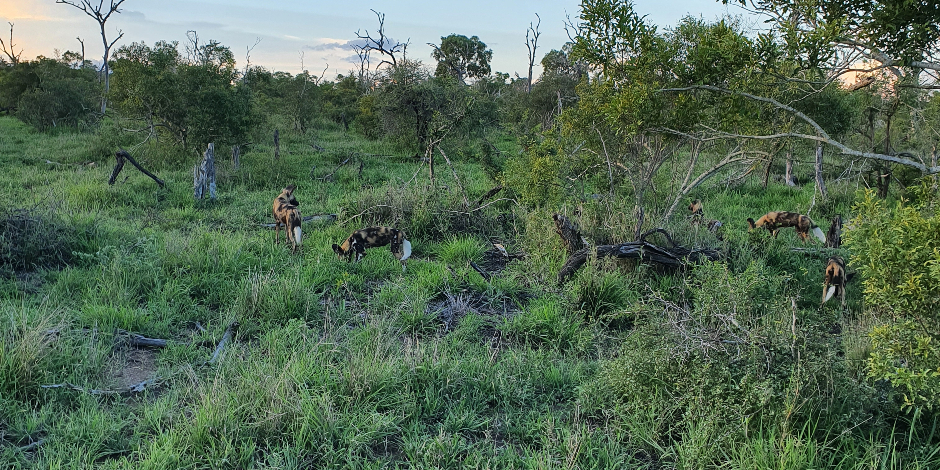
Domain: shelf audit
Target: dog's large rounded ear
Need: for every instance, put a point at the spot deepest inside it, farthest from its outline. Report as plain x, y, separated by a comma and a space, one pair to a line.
750, 222
337, 249
291, 188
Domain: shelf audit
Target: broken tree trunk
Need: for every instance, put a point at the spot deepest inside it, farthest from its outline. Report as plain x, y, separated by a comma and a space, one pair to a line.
788, 177
673, 257
569, 232
204, 175
834, 237
236, 153
122, 155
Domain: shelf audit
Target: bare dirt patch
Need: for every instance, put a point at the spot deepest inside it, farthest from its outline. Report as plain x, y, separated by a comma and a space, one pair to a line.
131, 366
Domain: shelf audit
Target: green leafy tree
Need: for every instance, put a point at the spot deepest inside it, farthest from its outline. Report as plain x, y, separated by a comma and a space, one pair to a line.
197, 100
461, 57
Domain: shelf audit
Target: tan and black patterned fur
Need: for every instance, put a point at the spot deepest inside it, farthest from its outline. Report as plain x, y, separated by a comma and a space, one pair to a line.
835, 279
774, 221
698, 218
286, 212
372, 237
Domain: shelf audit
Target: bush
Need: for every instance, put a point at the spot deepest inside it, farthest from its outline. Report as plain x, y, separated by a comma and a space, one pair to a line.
897, 251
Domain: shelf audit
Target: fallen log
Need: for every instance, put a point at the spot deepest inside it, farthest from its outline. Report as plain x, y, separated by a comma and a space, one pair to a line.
122, 155
309, 218
134, 339
673, 257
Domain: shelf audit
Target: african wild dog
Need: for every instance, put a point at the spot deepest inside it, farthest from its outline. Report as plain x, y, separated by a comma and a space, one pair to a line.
286, 212
698, 218
371, 237
835, 279
774, 221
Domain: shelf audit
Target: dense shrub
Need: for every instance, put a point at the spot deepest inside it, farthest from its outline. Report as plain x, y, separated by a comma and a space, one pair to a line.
897, 251
48, 93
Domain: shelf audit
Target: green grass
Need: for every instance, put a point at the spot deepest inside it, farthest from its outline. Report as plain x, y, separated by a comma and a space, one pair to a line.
361, 365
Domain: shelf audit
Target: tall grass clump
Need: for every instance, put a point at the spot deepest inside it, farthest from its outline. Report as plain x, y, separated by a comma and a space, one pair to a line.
28, 336
692, 379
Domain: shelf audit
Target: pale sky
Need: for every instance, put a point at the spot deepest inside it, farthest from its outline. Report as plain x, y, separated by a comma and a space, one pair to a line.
319, 30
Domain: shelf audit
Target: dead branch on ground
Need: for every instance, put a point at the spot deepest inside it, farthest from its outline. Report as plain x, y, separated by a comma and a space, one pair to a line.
309, 218
229, 332
673, 257
122, 155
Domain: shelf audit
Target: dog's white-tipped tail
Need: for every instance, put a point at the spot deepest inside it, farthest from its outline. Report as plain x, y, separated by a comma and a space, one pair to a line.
298, 235
829, 293
819, 234
406, 248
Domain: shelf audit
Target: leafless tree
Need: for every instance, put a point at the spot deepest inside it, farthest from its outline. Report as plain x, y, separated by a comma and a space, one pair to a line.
364, 64
80, 41
14, 58
100, 13
384, 45
531, 43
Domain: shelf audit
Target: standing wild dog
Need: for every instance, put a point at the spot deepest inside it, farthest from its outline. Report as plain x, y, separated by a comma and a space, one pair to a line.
835, 279
774, 221
286, 212
371, 237
698, 217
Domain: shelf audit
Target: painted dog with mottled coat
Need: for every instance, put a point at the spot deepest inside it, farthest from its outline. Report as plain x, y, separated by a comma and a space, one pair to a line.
774, 221
835, 279
373, 237
286, 212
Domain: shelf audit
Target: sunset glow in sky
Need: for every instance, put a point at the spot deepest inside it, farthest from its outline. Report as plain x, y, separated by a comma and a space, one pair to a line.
318, 32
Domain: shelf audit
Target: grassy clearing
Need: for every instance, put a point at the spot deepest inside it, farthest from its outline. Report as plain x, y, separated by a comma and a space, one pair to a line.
365, 366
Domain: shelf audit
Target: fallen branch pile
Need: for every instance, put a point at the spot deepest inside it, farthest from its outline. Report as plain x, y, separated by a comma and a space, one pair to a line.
674, 256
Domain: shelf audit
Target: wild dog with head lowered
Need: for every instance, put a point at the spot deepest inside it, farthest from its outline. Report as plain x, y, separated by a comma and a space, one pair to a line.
372, 237
698, 217
774, 221
835, 279
286, 212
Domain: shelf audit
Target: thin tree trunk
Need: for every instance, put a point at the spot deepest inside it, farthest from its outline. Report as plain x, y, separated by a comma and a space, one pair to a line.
820, 183
106, 72
788, 177
277, 145
236, 152
770, 164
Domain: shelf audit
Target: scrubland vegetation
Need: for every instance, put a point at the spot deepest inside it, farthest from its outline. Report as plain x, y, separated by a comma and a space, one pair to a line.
725, 364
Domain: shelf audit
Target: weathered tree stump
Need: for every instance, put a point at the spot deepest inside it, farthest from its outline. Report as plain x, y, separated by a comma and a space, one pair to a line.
236, 153
204, 175
569, 232
834, 237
